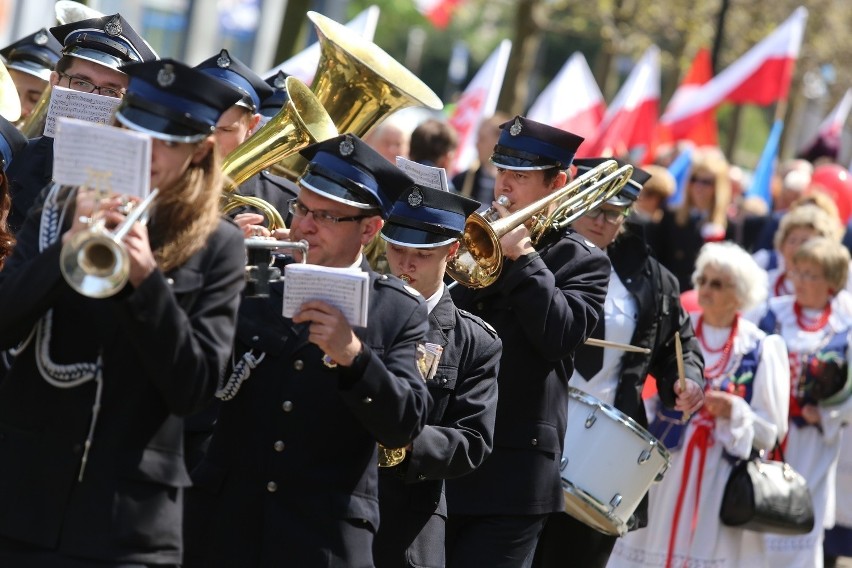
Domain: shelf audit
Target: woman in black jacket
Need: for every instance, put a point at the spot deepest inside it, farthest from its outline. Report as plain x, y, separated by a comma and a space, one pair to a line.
644, 296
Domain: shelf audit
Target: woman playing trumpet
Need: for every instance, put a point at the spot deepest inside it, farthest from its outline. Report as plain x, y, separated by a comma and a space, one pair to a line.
91, 408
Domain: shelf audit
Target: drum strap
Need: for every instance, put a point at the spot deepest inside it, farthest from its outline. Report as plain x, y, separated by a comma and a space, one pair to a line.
701, 439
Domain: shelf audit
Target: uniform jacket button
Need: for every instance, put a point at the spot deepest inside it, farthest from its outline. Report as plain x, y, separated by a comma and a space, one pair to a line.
279, 446
479, 305
421, 477
272, 487
255, 338
534, 441
170, 281
287, 406
298, 364
366, 400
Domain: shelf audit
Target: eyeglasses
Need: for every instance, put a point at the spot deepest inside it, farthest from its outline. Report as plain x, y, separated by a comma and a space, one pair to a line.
86, 86
714, 283
804, 276
298, 209
702, 180
611, 216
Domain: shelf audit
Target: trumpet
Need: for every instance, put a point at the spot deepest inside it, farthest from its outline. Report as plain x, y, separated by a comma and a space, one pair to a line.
259, 270
479, 260
95, 262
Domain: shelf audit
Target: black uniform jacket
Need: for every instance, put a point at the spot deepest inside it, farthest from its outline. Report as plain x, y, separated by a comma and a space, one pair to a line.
296, 446
29, 173
543, 306
660, 315
275, 190
164, 346
457, 440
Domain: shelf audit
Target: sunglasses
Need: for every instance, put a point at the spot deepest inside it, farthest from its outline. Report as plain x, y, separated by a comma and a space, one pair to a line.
714, 284
702, 180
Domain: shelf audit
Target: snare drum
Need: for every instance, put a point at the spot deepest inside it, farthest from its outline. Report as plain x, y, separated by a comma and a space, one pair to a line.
608, 464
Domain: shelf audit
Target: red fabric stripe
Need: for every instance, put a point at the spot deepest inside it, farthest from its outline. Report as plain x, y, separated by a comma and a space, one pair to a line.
769, 83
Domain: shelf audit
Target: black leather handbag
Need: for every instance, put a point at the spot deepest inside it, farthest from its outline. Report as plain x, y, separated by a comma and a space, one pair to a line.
767, 496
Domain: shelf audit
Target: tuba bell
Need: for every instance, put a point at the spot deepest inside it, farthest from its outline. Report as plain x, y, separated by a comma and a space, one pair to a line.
479, 260
301, 122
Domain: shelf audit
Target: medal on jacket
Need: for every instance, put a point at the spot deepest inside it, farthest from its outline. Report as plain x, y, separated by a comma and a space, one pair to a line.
328, 361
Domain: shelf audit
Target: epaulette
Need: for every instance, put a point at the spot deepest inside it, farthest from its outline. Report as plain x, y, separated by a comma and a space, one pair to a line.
581, 240
478, 320
396, 284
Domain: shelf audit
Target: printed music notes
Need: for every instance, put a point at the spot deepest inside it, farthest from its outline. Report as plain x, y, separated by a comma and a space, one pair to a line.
347, 289
425, 176
68, 103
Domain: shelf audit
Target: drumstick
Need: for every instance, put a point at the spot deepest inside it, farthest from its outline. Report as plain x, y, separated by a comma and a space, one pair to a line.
613, 345
681, 372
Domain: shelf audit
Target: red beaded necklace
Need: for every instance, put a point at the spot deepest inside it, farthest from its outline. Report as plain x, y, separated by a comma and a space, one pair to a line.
817, 324
781, 285
719, 367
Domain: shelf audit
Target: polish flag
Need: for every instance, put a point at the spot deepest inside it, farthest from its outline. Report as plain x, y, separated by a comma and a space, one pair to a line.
572, 101
827, 139
303, 65
478, 102
761, 76
439, 12
702, 131
631, 117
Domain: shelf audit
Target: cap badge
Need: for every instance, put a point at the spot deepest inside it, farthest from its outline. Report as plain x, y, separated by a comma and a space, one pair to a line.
166, 75
415, 198
40, 38
113, 27
280, 81
224, 61
516, 127
346, 147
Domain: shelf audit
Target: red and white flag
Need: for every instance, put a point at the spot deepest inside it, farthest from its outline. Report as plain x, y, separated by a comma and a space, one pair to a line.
572, 101
478, 102
703, 130
439, 12
632, 115
761, 76
303, 65
826, 141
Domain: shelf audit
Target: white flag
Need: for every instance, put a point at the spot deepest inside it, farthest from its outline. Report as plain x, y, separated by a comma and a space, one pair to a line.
478, 102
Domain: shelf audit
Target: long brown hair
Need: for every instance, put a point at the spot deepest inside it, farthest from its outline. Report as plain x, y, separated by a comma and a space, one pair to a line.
7, 239
188, 213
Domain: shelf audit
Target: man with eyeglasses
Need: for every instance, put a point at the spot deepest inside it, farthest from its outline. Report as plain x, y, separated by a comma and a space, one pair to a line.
641, 308
93, 51
291, 473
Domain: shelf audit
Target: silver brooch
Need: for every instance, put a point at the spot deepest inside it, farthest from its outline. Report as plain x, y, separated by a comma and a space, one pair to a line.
224, 61
166, 75
346, 147
113, 27
516, 128
40, 38
415, 198
280, 81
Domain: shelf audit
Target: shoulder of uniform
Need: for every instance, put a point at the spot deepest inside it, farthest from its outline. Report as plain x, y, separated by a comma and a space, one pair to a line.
579, 239
478, 321
394, 283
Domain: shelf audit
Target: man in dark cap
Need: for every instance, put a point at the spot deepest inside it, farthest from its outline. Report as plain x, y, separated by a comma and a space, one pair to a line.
272, 105
30, 61
93, 52
642, 305
290, 476
460, 362
544, 305
236, 126
95, 398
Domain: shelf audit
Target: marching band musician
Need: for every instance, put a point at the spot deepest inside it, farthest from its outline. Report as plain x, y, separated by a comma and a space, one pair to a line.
236, 126
11, 142
462, 357
92, 54
91, 434
642, 308
544, 305
30, 60
291, 475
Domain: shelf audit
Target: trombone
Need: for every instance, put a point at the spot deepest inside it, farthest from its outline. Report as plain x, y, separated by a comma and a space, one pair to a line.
479, 260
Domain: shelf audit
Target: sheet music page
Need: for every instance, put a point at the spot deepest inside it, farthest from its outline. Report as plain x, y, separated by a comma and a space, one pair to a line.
101, 156
90, 107
347, 289
426, 176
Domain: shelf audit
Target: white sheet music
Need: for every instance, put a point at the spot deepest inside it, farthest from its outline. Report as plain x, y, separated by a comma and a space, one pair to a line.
347, 289
425, 176
102, 157
90, 107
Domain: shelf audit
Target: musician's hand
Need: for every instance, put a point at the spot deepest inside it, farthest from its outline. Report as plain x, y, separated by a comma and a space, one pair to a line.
718, 403
516, 243
142, 261
86, 206
688, 400
811, 414
330, 331
252, 224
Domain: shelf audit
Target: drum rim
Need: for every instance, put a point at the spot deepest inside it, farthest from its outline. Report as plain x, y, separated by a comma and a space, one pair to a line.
619, 525
619, 415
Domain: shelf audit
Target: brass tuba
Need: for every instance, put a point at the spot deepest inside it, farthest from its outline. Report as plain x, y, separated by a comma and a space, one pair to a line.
359, 85
301, 122
479, 260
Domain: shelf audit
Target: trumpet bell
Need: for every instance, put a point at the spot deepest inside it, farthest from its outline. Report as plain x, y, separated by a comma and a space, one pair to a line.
94, 264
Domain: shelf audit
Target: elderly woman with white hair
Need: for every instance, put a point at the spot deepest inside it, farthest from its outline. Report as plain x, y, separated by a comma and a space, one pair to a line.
745, 409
